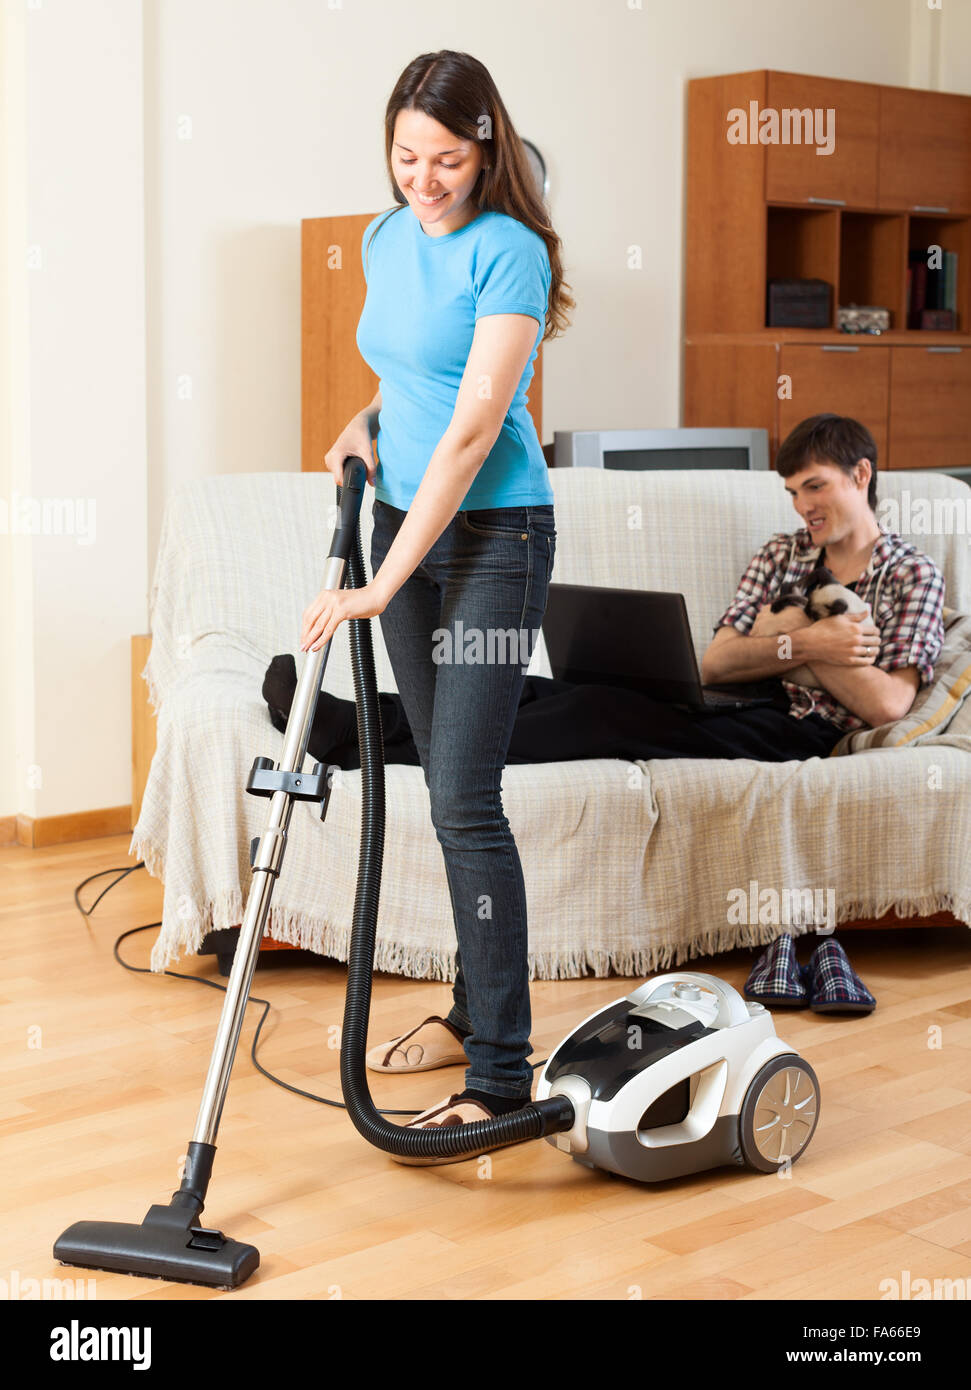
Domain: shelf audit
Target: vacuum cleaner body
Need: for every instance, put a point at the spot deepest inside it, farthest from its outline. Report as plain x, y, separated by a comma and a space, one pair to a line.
680, 1076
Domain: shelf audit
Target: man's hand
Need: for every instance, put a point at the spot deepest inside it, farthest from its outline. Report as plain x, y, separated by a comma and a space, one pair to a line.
849, 639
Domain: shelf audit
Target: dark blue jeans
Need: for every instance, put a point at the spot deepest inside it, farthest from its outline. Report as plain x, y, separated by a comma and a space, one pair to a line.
459, 634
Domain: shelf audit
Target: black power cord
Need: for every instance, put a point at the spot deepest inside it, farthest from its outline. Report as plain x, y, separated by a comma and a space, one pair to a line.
210, 984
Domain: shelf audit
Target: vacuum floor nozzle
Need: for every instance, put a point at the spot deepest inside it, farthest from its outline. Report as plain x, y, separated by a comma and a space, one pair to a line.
167, 1245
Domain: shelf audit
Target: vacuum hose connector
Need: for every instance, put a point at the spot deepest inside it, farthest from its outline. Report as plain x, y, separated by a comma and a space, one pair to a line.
537, 1118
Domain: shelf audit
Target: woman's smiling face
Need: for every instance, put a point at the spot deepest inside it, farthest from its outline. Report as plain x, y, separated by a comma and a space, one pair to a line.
436, 171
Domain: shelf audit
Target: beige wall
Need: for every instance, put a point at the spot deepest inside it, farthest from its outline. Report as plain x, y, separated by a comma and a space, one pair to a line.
940, 45
170, 150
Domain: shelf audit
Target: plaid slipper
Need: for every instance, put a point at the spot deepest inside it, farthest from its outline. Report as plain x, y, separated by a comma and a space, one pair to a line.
834, 986
776, 977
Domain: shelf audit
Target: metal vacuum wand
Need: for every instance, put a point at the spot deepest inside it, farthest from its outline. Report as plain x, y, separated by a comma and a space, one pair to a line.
284, 785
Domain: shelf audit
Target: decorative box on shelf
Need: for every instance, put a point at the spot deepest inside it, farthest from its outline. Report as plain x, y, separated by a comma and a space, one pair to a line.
862, 318
798, 304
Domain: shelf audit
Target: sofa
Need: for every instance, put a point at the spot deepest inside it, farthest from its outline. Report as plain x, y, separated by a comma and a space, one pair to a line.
630, 867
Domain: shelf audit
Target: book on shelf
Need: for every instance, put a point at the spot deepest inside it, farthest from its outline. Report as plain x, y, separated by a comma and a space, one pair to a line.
950, 281
937, 320
932, 291
917, 299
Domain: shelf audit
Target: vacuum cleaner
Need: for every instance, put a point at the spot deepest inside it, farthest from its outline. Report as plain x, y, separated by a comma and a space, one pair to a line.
678, 1076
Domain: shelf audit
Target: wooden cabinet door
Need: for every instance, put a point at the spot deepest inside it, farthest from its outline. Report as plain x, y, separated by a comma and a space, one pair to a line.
925, 150
848, 121
851, 380
731, 385
930, 407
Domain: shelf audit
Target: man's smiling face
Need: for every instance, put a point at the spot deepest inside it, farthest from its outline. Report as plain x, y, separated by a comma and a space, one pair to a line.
830, 503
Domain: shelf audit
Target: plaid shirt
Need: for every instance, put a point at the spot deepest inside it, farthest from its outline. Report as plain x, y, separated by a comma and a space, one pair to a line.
905, 591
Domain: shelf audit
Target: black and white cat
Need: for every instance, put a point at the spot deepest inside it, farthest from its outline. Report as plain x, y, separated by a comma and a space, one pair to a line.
821, 596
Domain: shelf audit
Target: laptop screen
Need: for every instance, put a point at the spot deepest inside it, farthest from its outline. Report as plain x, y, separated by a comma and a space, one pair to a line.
637, 639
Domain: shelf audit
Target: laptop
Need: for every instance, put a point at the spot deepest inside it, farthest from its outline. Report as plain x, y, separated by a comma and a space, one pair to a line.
640, 640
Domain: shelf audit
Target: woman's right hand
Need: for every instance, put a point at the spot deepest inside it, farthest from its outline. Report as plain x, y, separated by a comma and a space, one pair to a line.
355, 439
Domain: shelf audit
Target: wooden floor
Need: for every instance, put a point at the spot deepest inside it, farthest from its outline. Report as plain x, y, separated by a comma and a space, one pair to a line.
101, 1073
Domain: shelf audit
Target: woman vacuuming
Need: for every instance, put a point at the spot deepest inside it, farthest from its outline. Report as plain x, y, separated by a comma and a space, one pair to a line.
464, 281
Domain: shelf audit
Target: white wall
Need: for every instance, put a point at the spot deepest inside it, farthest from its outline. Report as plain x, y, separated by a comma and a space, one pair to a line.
74, 423
257, 115
16, 608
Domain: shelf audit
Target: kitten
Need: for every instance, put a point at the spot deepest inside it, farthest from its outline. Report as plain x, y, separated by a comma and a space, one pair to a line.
823, 597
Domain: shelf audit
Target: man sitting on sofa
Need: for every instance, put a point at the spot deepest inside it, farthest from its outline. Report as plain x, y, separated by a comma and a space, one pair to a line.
869, 665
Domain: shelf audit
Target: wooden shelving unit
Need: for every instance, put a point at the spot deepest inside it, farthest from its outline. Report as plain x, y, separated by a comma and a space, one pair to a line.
898, 179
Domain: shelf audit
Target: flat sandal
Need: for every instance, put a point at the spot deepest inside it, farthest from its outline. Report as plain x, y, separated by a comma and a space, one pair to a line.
457, 1110
399, 1055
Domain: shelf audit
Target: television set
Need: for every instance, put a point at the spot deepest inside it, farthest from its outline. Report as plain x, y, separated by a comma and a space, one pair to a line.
661, 449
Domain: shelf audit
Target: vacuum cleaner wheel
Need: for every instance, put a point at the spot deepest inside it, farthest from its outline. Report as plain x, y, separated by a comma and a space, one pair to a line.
779, 1113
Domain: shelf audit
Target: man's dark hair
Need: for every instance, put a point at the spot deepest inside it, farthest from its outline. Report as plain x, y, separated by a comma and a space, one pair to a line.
829, 439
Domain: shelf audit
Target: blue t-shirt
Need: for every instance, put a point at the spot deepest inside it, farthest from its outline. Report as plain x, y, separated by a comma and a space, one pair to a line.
424, 294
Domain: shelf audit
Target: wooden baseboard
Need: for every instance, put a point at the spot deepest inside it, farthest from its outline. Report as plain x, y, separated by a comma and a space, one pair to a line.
34, 832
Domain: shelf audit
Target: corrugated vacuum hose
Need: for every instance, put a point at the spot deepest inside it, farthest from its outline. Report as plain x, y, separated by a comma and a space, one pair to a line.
534, 1120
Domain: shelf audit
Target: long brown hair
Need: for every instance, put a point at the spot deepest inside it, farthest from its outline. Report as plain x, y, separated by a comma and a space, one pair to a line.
457, 90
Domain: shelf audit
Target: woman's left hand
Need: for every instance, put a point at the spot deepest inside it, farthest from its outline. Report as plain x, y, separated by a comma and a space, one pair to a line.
332, 606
